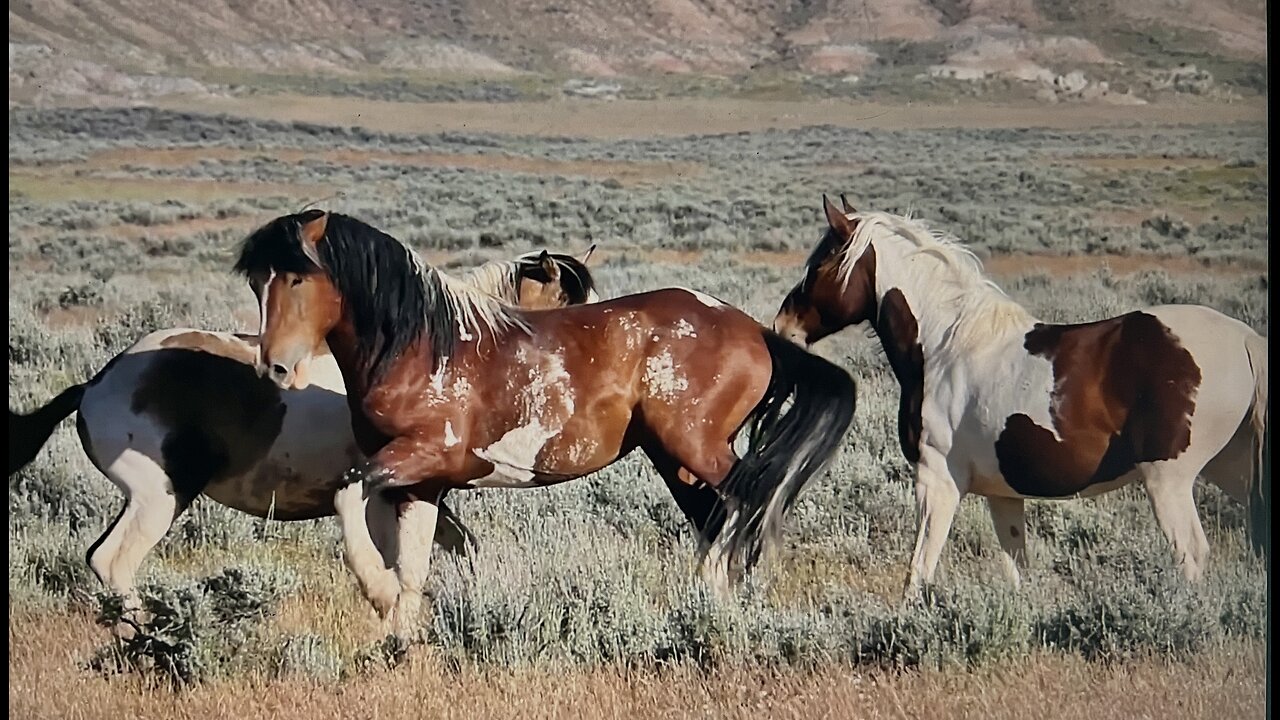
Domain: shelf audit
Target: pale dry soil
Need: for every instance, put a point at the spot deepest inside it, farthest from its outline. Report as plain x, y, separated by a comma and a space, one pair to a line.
647, 118
46, 680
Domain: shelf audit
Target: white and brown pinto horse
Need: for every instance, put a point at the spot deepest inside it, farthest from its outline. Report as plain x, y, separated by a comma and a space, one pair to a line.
183, 412
450, 390
995, 402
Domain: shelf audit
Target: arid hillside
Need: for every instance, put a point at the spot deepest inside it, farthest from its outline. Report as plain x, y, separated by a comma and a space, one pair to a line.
141, 48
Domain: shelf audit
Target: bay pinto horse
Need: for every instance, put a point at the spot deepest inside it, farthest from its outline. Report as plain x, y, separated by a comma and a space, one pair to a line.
995, 402
183, 412
450, 390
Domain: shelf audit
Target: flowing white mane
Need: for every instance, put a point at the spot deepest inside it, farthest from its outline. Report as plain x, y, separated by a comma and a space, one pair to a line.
475, 309
962, 305
497, 278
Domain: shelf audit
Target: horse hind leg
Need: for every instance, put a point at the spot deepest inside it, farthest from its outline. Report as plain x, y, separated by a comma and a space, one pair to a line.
1169, 488
702, 506
150, 508
1232, 467
716, 511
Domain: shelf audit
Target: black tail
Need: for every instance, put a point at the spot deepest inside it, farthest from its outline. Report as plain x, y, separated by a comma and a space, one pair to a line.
29, 433
787, 446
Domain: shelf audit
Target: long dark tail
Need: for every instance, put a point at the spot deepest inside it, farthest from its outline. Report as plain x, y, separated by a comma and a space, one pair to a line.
29, 433
1260, 481
787, 446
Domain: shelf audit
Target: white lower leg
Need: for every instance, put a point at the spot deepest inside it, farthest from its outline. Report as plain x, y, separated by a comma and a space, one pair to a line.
1173, 502
713, 565
417, 526
149, 511
152, 515
937, 498
377, 582
1008, 515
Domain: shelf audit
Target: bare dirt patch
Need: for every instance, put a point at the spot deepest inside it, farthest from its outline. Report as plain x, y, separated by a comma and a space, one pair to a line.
667, 117
1057, 265
52, 186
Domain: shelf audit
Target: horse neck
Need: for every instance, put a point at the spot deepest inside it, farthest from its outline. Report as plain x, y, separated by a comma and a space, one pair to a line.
344, 347
950, 311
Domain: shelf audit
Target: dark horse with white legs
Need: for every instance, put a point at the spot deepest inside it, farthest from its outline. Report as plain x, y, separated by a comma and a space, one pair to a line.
451, 390
183, 412
996, 403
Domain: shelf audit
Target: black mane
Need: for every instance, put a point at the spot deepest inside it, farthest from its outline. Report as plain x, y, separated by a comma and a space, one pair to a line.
576, 281
390, 299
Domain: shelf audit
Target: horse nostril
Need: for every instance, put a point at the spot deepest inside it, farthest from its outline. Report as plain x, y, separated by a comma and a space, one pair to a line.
279, 371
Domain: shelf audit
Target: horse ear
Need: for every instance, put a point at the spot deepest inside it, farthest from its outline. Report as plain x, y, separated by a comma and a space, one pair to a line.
836, 219
311, 227
587, 255
844, 202
549, 265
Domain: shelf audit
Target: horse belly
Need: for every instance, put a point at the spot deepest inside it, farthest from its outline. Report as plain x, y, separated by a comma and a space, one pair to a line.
533, 455
276, 490
297, 477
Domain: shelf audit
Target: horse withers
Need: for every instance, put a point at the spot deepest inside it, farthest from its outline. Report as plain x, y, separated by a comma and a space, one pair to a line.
450, 390
183, 412
997, 403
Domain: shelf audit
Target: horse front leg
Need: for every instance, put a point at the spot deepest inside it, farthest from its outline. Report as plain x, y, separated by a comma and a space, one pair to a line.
377, 581
417, 526
938, 495
401, 463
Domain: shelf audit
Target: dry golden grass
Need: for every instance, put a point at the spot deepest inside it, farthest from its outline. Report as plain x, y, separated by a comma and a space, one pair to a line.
46, 681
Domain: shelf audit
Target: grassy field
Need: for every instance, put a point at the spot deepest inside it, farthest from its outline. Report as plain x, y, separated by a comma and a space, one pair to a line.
582, 599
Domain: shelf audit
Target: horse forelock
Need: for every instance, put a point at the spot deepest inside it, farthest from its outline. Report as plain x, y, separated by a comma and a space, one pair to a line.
275, 247
576, 280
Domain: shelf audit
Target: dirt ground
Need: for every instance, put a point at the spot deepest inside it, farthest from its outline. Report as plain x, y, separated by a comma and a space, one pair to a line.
46, 652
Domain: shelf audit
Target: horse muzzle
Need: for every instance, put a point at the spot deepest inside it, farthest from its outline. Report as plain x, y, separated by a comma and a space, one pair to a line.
787, 327
286, 376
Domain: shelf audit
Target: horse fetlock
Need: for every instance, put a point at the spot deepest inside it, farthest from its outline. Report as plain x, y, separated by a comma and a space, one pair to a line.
382, 590
407, 611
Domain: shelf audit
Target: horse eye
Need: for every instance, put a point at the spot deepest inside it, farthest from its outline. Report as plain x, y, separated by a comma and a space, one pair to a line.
295, 282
